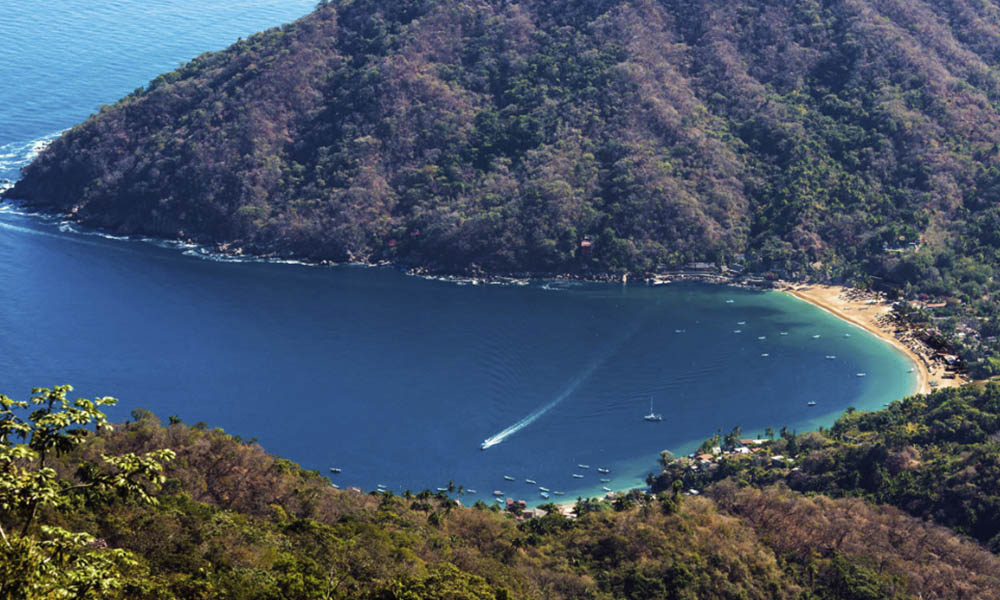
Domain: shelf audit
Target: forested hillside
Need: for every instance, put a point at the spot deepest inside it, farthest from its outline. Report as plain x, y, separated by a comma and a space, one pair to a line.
936, 457
149, 511
824, 139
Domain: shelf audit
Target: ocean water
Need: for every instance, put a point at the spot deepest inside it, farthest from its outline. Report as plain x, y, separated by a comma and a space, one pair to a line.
396, 380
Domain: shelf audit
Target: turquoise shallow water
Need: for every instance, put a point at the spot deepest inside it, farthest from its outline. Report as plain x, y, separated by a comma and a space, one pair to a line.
397, 380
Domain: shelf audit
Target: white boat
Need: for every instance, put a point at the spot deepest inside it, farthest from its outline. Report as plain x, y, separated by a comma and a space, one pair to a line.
499, 500
737, 331
584, 466
765, 355
847, 335
761, 337
334, 470
380, 486
606, 488
544, 494
470, 491
741, 322
783, 333
811, 403
652, 416
577, 476
603, 470
497, 493
830, 356
508, 478
558, 493
816, 337
605, 480
910, 370
441, 489
861, 374
543, 489
730, 301
531, 481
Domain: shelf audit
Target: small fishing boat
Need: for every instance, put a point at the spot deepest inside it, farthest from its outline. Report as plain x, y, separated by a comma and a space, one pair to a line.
531, 481
441, 489
679, 330
605, 480
497, 493
811, 403
334, 470
861, 374
831, 356
761, 337
544, 489
741, 322
508, 478
335, 486
499, 500
606, 488
603, 470
558, 493
816, 337
847, 335
577, 476
583, 466
737, 331
470, 491
910, 370
652, 416
729, 301
380, 486
765, 355
783, 333
544, 494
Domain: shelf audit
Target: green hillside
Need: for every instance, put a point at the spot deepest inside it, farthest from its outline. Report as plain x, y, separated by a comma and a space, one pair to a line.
148, 511
936, 457
804, 137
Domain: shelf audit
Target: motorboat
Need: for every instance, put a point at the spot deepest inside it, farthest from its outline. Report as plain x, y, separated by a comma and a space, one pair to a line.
652, 416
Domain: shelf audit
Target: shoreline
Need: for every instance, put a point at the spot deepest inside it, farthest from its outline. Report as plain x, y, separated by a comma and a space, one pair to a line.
869, 313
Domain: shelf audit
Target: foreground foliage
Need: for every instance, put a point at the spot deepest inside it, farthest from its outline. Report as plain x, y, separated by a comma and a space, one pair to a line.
232, 521
40, 560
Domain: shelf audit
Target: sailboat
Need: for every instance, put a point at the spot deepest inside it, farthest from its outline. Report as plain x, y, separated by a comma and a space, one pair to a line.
652, 416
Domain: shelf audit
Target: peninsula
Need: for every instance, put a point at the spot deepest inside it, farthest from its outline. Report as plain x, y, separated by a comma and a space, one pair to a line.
553, 137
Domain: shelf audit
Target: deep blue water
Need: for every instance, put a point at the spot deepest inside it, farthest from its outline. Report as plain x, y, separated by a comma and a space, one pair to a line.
395, 379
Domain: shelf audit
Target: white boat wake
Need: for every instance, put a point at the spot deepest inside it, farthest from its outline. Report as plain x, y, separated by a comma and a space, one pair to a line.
528, 420
573, 385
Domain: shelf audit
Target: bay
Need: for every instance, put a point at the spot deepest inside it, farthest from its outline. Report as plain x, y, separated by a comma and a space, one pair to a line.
394, 379
397, 380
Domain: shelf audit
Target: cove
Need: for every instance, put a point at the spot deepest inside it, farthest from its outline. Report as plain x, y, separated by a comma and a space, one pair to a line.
398, 380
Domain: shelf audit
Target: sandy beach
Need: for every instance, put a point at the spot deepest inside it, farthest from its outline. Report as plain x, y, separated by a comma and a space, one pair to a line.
870, 313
